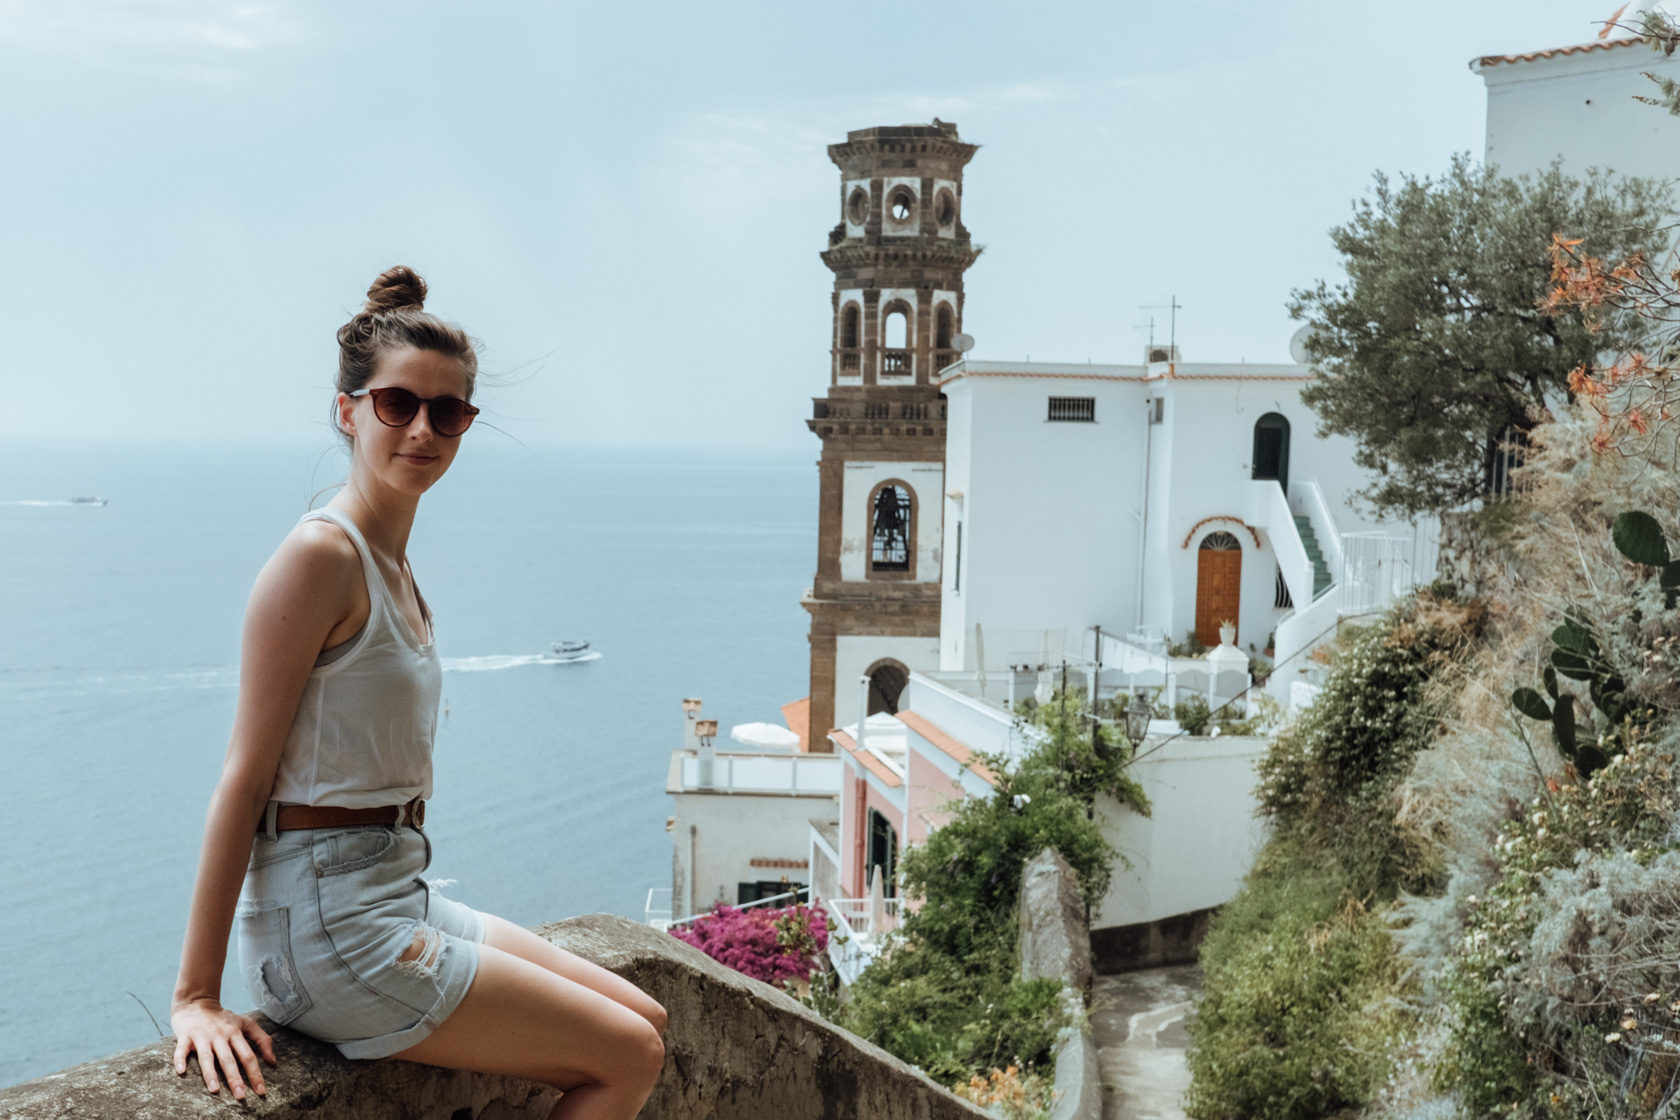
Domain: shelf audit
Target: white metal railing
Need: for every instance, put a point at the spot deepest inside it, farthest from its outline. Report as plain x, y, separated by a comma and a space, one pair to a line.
791, 898
1377, 570
855, 940
658, 916
1268, 509
790, 774
1147, 669
1307, 499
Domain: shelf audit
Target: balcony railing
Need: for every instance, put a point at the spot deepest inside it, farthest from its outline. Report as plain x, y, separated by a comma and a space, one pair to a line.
877, 410
851, 361
943, 358
896, 363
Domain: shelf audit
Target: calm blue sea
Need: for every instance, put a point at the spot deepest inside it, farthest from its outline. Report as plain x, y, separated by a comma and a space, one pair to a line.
119, 631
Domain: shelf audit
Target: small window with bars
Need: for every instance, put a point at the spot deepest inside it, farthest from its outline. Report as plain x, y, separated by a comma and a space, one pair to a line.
1073, 408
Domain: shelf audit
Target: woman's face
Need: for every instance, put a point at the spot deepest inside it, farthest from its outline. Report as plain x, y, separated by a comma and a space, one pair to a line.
411, 458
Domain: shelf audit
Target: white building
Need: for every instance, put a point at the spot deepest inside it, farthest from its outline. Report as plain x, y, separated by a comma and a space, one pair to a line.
1577, 103
1153, 502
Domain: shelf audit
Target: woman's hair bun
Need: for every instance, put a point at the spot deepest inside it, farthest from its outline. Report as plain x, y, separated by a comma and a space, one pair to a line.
397, 289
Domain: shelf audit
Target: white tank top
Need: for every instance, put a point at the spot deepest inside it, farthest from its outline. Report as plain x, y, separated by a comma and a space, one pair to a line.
363, 732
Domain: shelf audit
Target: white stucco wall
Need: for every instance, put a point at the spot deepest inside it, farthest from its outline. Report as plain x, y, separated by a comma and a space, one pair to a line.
1200, 839
1048, 509
1580, 106
729, 831
857, 519
855, 653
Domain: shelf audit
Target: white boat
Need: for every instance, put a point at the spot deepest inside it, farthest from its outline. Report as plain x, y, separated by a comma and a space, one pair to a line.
571, 651
89, 500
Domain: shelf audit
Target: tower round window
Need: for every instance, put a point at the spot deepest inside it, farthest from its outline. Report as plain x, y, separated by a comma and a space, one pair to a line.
857, 207
900, 204
945, 208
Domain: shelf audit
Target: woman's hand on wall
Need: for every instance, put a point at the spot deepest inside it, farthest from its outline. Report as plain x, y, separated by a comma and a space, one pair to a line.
217, 1035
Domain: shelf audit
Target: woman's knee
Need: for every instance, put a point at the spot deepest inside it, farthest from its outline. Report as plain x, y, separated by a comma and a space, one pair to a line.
651, 1049
657, 1017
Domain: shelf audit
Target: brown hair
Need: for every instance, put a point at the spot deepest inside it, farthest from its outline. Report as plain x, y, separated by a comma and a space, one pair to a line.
394, 318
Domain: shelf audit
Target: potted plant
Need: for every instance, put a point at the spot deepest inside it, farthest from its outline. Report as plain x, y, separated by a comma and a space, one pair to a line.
1227, 633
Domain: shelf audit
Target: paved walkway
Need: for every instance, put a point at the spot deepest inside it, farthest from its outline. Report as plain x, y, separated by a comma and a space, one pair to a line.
1138, 1021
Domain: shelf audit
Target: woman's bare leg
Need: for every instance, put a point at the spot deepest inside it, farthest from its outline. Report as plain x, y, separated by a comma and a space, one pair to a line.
522, 943
522, 1019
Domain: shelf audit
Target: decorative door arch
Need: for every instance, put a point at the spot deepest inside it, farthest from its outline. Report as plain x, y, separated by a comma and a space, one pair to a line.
1218, 584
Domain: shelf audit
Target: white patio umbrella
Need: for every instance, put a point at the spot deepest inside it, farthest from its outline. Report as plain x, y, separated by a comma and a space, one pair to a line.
763, 735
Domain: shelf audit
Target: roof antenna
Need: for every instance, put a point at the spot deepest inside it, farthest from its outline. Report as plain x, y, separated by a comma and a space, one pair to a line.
1172, 337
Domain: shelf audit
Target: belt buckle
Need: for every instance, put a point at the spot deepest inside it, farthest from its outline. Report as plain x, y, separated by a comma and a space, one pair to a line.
416, 813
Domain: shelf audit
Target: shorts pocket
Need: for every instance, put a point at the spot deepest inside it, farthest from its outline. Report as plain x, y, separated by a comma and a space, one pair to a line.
265, 955
354, 849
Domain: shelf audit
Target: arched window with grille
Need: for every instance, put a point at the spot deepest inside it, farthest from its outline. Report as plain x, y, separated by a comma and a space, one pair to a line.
892, 524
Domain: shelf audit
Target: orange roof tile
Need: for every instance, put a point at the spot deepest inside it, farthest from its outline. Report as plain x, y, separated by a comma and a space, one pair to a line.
1556, 52
798, 716
953, 747
874, 765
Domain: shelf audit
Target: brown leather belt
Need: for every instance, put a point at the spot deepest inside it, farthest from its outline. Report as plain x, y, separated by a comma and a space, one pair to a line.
288, 818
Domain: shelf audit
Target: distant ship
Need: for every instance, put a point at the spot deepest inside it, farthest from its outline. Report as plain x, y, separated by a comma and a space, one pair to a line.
89, 500
572, 651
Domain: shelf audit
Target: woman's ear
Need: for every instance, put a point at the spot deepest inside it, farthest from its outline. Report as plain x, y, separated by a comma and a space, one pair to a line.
346, 415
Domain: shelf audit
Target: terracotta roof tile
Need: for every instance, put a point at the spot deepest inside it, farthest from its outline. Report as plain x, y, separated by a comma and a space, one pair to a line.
957, 749
798, 716
1558, 52
874, 765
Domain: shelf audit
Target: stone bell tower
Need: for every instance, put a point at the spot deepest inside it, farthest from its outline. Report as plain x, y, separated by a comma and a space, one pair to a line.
898, 255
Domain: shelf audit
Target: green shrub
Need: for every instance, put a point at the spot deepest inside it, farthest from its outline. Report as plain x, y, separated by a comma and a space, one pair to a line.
1303, 994
1295, 1020
946, 994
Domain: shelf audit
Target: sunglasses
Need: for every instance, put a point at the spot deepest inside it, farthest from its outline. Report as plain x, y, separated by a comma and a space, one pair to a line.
396, 407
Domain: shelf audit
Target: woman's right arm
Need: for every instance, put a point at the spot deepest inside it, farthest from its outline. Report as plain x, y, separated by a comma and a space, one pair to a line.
309, 587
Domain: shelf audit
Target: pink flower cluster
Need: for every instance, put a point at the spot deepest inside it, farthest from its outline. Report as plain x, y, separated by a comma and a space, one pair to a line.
768, 945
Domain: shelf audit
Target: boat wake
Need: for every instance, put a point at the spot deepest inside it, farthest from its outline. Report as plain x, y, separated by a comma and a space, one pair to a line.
493, 662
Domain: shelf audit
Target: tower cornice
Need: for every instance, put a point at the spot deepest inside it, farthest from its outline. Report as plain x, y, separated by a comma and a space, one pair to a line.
911, 252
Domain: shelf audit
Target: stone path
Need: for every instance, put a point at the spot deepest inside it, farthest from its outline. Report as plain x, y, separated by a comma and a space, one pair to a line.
1137, 1019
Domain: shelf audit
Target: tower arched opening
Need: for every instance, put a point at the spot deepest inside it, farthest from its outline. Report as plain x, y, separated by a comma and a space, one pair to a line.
892, 531
896, 358
887, 680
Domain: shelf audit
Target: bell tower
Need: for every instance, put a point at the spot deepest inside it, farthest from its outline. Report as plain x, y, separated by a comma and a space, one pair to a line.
898, 256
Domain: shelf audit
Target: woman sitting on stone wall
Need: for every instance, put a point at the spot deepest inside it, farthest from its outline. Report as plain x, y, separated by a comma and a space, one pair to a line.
321, 799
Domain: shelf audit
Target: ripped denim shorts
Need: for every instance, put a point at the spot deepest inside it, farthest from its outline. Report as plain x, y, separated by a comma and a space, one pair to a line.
323, 921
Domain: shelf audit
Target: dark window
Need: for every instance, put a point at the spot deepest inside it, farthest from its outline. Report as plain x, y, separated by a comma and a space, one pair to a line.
1221, 542
849, 327
956, 568
1505, 454
764, 888
942, 328
1280, 594
890, 551
1271, 449
886, 685
883, 852
1073, 408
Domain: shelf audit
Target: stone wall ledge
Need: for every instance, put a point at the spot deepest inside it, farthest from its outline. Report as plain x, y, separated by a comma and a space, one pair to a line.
735, 1048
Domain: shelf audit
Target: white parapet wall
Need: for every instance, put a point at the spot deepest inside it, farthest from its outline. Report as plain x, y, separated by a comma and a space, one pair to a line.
1201, 838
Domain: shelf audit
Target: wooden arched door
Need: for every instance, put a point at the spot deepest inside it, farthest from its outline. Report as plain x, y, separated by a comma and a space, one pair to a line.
1218, 585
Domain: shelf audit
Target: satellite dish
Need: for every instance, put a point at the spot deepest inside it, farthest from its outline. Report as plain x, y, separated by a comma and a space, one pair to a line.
1298, 346
962, 343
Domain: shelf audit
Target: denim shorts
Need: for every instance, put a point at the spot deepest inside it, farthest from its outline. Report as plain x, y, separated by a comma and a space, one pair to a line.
326, 915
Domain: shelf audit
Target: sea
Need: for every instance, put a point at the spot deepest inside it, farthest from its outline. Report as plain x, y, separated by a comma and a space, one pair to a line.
119, 649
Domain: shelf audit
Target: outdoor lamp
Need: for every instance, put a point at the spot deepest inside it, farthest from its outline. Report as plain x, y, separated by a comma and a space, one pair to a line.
1137, 719
706, 730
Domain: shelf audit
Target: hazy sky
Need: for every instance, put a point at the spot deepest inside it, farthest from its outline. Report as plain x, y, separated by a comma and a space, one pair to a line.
626, 201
